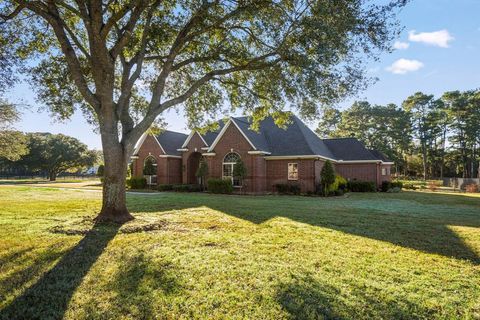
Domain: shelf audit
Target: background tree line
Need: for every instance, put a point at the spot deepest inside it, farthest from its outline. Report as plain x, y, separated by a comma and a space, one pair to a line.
50, 154
426, 136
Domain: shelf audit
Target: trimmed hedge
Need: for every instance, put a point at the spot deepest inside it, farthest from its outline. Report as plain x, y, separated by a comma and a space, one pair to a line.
219, 186
361, 186
186, 188
137, 183
165, 187
284, 188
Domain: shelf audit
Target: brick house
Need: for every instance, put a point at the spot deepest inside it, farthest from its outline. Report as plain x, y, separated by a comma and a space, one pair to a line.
272, 155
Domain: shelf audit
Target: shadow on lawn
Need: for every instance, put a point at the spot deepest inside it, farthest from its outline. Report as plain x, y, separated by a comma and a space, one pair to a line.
48, 298
419, 223
306, 298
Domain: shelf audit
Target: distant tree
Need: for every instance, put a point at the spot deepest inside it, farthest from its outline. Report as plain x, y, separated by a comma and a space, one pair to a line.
239, 171
421, 108
330, 118
262, 56
202, 172
13, 144
327, 176
56, 153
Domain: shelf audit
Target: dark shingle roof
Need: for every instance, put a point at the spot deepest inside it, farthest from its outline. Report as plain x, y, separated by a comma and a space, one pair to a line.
295, 140
348, 149
379, 155
210, 136
171, 141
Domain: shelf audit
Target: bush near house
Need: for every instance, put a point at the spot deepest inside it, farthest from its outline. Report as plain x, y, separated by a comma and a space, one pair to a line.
387, 185
361, 186
219, 186
165, 187
186, 188
137, 183
284, 188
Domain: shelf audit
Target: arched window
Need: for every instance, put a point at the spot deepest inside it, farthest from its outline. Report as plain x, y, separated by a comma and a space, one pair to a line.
228, 163
150, 169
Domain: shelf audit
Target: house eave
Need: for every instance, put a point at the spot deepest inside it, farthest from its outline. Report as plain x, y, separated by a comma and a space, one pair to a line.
170, 156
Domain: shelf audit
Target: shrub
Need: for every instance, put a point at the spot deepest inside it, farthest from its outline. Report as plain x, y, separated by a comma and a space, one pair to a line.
137, 183
223, 186
327, 176
165, 187
186, 188
361, 186
410, 186
432, 186
471, 188
149, 169
284, 188
396, 184
339, 184
202, 171
339, 192
386, 185
394, 190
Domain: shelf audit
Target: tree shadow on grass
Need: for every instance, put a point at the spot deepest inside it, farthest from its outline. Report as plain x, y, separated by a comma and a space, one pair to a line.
420, 223
48, 298
139, 286
305, 298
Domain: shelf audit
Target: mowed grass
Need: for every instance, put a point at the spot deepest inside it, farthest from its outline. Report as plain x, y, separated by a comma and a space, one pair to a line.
391, 256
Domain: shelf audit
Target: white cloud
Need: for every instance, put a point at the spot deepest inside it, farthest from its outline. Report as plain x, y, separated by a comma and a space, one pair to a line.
403, 66
439, 38
401, 45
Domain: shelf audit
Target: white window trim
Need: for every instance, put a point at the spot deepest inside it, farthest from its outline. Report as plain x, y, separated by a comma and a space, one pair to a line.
231, 164
288, 173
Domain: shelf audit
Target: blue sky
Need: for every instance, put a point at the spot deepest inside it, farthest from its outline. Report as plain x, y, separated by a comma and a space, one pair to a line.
439, 50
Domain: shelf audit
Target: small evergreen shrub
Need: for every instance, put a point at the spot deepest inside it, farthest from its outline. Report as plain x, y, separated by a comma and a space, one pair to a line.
137, 183
165, 187
361, 186
397, 184
222, 186
327, 176
284, 188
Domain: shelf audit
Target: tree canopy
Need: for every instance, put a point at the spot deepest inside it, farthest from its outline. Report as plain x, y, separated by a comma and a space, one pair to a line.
56, 153
123, 63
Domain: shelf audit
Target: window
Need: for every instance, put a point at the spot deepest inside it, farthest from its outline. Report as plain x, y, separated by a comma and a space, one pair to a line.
385, 171
228, 163
293, 171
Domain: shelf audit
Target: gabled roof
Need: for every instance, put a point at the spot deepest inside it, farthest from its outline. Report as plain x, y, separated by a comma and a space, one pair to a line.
295, 140
170, 141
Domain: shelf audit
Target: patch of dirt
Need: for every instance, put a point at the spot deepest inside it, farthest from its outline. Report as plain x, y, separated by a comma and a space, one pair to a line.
145, 227
68, 232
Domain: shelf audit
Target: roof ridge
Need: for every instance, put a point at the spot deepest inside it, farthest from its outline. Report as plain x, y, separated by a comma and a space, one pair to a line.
300, 127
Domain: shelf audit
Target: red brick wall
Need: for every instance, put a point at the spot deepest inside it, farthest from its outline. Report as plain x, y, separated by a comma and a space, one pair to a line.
149, 147
359, 171
277, 171
233, 141
168, 169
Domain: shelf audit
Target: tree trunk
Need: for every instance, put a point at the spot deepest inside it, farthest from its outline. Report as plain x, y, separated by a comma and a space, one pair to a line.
52, 176
114, 206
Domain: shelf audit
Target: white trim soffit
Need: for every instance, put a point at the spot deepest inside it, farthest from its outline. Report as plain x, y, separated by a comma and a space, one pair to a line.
169, 156
258, 152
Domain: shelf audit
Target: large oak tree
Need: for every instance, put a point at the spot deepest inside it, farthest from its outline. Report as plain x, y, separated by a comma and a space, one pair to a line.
124, 62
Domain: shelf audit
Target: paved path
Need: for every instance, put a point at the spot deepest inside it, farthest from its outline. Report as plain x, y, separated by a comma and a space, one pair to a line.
78, 189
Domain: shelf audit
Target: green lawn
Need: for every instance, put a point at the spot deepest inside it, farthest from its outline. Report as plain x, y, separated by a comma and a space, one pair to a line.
390, 256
